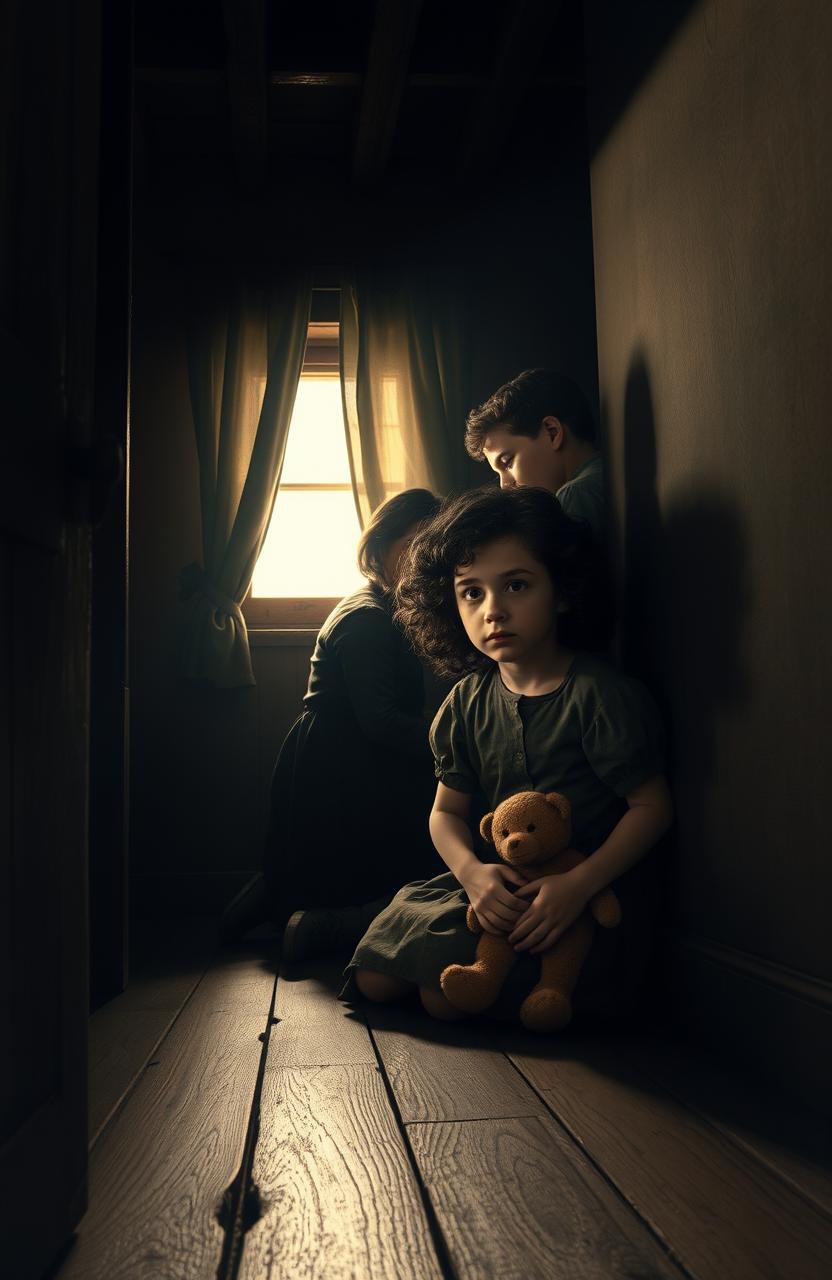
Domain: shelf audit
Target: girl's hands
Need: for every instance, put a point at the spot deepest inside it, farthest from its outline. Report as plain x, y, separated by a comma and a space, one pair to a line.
555, 903
495, 906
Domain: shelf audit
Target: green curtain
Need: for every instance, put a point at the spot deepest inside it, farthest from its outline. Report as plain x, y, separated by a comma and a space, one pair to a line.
245, 354
405, 382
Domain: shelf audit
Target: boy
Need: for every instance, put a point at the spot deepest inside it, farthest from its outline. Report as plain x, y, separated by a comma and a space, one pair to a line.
538, 430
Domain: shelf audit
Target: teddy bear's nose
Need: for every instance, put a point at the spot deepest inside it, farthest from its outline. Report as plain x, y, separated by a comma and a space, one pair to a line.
513, 843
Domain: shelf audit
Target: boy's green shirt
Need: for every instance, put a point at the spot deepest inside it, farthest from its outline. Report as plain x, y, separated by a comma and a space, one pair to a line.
584, 497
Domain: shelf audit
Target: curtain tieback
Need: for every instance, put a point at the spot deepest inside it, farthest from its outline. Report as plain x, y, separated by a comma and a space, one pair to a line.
193, 580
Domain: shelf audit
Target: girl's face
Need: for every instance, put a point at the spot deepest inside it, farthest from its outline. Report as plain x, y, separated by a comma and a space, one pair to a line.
507, 602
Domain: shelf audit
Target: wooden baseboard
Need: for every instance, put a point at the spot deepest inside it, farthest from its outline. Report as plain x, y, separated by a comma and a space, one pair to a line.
155, 895
776, 1020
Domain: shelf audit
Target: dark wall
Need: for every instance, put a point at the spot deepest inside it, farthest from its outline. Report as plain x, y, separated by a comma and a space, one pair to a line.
711, 208
201, 759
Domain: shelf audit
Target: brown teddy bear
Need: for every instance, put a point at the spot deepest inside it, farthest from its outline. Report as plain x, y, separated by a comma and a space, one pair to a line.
532, 831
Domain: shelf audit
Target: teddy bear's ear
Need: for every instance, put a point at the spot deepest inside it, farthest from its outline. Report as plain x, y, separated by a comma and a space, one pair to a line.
485, 826
559, 802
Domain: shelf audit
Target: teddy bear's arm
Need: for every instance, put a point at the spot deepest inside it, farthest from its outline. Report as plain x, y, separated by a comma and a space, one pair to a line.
472, 921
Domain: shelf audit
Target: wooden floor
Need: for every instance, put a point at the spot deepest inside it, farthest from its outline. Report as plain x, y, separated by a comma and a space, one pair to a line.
250, 1126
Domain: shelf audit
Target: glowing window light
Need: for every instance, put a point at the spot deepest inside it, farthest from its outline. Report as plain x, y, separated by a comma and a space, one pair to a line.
310, 546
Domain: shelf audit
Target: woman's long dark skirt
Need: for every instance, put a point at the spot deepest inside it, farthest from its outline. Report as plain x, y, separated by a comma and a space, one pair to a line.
348, 819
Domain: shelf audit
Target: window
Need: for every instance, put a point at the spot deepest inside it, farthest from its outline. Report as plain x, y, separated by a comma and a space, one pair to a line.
307, 562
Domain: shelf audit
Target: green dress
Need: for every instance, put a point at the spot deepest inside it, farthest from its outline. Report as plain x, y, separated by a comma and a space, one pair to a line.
595, 738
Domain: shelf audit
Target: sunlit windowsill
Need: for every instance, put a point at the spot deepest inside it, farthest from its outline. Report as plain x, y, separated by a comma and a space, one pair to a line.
282, 637
287, 613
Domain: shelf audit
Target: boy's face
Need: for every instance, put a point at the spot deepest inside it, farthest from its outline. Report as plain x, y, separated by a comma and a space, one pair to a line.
507, 602
535, 461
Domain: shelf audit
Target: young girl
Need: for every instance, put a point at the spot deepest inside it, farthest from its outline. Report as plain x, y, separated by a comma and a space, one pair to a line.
506, 588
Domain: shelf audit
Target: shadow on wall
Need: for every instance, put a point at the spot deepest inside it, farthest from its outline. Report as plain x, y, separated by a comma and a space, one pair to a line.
686, 595
625, 41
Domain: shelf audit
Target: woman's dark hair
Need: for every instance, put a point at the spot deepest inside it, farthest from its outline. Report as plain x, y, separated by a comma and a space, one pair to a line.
426, 602
388, 522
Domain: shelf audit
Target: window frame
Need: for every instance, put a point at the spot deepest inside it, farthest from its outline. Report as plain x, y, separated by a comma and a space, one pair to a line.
301, 613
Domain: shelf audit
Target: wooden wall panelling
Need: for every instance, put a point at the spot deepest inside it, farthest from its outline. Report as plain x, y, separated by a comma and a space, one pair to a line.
711, 202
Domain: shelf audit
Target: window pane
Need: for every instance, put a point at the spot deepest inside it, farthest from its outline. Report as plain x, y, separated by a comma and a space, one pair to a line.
310, 547
316, 451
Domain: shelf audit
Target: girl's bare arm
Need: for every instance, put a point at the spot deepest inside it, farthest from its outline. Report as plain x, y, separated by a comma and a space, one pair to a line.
558, 900
648, 816
486, 884
450, 832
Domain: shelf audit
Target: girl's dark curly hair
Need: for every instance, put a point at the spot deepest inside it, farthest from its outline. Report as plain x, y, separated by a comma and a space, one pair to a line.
426, 603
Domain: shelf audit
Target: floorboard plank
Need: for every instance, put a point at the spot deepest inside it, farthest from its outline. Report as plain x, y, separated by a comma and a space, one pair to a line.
448, 1071
310, 993
517, 1199
788, 1137
167, 961
323, 1044
159, 1170
714, 1206
313, 1028
120, 1045
340, 1197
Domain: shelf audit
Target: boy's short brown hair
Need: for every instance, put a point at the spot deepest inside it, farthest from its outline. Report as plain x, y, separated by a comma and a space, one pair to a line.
522, 404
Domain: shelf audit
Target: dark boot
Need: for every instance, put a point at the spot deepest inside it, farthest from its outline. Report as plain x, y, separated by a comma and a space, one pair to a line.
320, 930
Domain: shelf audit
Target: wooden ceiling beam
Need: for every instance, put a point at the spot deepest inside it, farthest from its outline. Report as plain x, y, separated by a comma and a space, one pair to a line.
186, 77
388, 57
245, 28
527, 26
315, 79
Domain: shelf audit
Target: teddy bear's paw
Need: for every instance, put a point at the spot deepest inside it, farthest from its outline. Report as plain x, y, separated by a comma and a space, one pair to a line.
546, 1010
466, 989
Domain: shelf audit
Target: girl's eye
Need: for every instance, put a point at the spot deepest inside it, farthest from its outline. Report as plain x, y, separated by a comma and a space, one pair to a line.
470, 593
517, 584
530, 827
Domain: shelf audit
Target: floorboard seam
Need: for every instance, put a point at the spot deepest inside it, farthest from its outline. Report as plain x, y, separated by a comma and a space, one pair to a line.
240, 1207
518, 1115
437, 1235
610, 1181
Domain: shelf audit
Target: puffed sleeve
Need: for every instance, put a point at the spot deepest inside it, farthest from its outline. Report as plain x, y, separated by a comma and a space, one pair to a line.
624, 743
448, 744
368, 649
